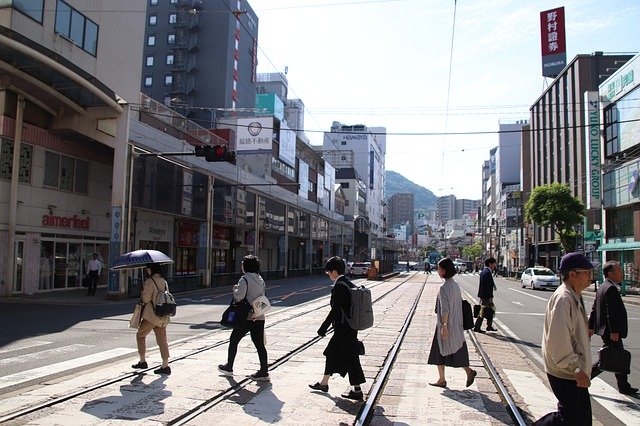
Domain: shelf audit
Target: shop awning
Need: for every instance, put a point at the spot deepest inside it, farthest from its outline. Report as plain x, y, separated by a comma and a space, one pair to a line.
632, 245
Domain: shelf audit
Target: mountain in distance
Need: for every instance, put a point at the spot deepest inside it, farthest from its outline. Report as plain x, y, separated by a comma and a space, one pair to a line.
422, 197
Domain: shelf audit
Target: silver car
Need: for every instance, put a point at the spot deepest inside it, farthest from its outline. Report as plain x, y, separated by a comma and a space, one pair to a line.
540, 278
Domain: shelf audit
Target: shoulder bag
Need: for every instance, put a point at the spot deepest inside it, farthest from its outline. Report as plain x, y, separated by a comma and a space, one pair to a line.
615, 359
236, 314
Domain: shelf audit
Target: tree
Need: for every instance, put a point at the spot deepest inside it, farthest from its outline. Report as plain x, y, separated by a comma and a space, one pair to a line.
473, 251
553, 205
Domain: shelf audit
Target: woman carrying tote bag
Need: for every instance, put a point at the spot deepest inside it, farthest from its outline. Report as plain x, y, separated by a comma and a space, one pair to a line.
250, 286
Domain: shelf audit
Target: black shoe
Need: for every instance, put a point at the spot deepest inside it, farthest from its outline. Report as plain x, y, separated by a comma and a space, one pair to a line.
260, 375
356, 396
163, 370
491, 329
225, 370
141, 365
628, 391
479, 330
318, 386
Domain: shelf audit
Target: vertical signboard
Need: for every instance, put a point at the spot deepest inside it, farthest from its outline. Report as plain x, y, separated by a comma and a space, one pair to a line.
593, 149
552, 38
114, 248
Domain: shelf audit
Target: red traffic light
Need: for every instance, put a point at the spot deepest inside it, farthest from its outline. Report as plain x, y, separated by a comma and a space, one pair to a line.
212, 153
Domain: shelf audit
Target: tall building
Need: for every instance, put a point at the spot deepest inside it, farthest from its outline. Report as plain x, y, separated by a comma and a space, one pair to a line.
559, 142
200, 57
445, 208
400, 211
368, 145
620, 230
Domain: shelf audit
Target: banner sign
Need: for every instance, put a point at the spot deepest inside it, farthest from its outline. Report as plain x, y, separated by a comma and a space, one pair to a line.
254, 134
594, 176
554, 49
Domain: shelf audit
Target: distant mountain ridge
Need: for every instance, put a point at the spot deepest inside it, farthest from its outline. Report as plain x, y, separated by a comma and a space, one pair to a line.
422, 197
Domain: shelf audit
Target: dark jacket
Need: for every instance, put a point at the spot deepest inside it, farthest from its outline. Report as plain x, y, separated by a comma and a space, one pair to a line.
485, 290
608, 314
340, 303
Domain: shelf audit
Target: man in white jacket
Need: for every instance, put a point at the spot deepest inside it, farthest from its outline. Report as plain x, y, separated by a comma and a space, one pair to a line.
565, 344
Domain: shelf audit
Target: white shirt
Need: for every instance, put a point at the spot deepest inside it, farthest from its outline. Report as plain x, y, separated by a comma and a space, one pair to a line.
95, 265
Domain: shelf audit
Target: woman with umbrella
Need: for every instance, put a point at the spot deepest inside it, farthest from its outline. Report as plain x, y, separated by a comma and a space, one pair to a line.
153, 284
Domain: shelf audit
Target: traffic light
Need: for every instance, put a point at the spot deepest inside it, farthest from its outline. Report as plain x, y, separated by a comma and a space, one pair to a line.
215, 153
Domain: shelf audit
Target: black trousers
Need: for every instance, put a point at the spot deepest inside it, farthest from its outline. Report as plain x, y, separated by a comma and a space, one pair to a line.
574, 404
256, 329
93, 282
622, 379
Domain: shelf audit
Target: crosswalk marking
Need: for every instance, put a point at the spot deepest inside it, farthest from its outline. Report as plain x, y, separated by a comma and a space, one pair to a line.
21, 359
624, 408
535, 394
48, 370
18, 346
540, 400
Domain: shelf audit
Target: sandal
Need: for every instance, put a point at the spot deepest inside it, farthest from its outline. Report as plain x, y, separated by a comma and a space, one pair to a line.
439, 384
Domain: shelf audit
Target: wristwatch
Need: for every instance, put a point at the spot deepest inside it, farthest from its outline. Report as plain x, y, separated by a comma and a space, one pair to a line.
576, 370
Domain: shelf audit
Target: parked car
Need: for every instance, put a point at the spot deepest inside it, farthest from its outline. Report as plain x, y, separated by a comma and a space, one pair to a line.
460, 265
540, 277
359, 269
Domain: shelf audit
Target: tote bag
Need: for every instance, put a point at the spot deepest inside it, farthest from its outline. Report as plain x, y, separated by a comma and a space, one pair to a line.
136, 318
260, 305
615, 359
236, 314
467, 315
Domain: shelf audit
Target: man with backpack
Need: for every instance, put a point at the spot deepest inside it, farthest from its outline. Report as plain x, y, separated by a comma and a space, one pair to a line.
343, 351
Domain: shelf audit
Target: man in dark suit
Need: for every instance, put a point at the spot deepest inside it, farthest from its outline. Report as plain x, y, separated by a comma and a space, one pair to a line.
485, 293
608, 319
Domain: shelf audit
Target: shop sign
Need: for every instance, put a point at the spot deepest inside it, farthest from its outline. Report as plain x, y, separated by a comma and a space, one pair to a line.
154, 227
220, 244
188, 234
592, 111
72, 222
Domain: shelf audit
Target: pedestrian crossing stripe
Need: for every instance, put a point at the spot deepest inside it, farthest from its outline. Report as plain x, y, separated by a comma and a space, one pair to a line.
540, 400
52, 369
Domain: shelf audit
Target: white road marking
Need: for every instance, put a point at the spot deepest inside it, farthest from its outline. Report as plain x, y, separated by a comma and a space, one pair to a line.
18, 346
528, 294
538, 398
48, 370
626, 409
517, 303
21, 359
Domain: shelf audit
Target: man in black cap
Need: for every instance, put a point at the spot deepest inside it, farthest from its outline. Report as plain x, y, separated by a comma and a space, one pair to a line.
608, 319
565, 344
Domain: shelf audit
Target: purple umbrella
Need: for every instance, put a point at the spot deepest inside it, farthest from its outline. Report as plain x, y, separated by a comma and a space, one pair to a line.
139, 258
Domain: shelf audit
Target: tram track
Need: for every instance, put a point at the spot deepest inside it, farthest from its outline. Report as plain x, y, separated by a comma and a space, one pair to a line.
283, 315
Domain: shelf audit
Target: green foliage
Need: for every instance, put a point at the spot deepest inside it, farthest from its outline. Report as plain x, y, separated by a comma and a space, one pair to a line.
553, 205
473, 251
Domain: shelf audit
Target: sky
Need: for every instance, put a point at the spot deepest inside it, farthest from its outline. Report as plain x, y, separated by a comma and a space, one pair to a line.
440, 89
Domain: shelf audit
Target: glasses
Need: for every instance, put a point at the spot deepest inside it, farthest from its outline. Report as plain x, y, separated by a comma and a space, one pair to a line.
580, 271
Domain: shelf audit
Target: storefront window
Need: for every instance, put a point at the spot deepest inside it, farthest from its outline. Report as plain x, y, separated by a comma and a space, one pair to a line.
6, 161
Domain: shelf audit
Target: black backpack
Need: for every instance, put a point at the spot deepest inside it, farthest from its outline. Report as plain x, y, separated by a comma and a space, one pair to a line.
165, 304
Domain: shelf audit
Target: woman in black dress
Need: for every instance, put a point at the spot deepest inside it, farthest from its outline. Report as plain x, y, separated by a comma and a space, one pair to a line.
342, 352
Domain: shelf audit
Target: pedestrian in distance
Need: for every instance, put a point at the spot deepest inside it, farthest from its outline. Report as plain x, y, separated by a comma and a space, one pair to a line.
608, 319
485, 293
153, 284
249, 286
565, 344
449, 347
342, 352
426, 267
94, 267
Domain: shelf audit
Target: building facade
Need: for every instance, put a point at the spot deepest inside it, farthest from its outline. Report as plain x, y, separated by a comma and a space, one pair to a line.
559, 142
400, 211
619, 98
64, 124
200, 57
